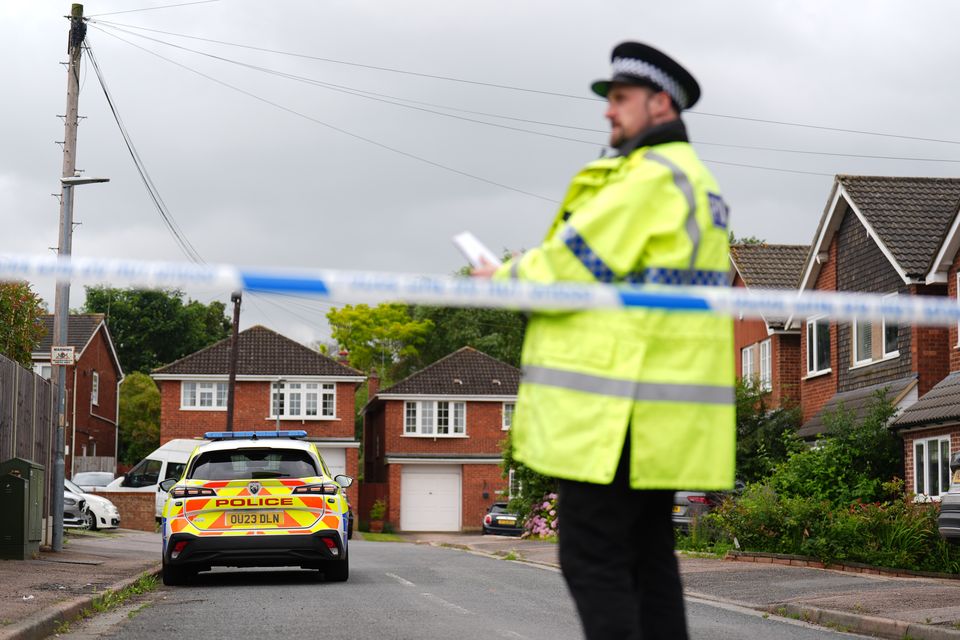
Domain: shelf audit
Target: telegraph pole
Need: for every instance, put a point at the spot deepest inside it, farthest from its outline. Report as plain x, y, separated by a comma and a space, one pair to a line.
235, 298
78, 30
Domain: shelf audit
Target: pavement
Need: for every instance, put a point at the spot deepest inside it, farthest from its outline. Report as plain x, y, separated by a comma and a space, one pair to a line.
37, 595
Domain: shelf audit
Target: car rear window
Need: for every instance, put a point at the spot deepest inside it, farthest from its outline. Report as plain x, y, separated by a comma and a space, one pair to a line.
242, 464
498, 508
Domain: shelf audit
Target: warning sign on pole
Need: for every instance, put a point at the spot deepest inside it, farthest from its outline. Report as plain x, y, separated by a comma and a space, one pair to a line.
61, 355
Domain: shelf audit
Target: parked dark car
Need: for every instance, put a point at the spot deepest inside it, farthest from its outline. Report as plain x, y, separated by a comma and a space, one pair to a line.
499, 520
691, 505
949, 520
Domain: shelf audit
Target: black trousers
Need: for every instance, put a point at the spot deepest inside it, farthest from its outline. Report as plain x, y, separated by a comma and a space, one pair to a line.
616, 552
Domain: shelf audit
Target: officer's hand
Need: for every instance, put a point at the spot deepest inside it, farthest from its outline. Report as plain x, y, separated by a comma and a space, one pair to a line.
485, 270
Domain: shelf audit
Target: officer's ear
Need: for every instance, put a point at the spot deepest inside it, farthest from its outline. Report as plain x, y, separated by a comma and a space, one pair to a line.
663, 108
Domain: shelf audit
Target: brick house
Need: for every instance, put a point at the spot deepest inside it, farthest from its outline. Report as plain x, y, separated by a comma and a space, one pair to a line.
765, 349
434, 439
931, 428
93, 392
877, 235
274, 375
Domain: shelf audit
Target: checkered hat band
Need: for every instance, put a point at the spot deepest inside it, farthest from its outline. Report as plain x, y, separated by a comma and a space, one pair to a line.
641, 69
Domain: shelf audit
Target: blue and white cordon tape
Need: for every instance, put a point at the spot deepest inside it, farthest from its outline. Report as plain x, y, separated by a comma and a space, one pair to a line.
355, 287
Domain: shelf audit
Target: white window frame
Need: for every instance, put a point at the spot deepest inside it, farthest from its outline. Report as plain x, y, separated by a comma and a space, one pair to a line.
507, 415
95, 388
922, 470
813, 341
766, 365
421, 418
514, 486
855, 340
883, 334
748, 370
302, 394
44, 370
218, 398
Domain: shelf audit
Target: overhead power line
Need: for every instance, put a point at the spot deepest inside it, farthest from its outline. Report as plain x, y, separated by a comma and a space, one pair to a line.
185, 246
165, 6
523, 89
345, 132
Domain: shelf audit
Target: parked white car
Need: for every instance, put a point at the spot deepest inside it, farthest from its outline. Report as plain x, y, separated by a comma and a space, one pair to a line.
103, 514
92, 480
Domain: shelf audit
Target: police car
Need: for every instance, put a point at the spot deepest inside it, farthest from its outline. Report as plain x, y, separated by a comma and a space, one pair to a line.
255, 498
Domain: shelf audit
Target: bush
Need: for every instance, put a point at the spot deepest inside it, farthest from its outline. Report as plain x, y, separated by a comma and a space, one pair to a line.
378, 509
542, 520
761, 441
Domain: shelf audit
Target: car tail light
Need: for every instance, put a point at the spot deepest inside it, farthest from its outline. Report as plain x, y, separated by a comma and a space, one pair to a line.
322, 489
331, 545
191, 492
487, 519
700, 500
177, 548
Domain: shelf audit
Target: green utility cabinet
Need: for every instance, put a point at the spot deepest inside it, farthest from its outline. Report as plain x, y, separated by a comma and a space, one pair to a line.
21, 503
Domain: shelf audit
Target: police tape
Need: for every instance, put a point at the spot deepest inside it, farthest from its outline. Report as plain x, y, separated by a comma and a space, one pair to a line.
356, 287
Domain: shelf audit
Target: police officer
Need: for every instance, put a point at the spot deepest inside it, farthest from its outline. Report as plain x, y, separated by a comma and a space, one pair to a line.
624, 407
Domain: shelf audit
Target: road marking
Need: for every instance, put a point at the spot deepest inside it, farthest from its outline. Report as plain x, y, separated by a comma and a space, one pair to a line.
448, 605
511, 634
402, 581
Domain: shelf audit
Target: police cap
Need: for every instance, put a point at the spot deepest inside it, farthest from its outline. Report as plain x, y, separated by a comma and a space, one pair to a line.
640, 64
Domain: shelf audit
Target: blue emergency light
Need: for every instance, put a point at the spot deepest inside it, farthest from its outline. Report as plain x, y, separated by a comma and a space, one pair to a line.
253, 435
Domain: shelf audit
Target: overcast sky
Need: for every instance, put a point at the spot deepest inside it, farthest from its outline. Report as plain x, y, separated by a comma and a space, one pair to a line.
255, 183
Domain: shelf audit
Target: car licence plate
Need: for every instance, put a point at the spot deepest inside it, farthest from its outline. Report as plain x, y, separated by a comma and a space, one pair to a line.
507, 521
677, 508
253, 519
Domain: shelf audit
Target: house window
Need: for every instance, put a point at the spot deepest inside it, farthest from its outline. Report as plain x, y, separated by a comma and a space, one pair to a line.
515, 485
435, 418
95, 388
891, 335
747, 364
45, 371
931, 466
766, 366
862, 341
818, 345
203, 395
508, 408
303, 400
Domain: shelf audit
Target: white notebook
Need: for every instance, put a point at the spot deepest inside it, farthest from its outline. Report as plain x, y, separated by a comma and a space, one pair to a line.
476, 253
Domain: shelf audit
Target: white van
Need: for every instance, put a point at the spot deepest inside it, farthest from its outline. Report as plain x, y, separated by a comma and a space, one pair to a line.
168, 461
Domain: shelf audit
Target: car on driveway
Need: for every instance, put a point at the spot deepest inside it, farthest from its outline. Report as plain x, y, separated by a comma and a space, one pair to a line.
948, 522
75, 512
103, 514
501, 521
252, 499
690, 505
92, 480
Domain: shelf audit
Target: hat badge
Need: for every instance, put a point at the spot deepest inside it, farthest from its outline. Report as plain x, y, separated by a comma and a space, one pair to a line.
254, 488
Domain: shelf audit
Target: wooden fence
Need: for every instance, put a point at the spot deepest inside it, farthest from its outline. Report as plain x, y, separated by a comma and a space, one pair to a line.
27, 422
94, 463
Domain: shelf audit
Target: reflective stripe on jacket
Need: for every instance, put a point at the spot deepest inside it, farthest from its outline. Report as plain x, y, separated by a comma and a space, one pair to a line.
655, 216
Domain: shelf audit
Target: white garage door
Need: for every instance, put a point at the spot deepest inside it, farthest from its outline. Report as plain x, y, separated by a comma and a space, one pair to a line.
430, 498
336, 459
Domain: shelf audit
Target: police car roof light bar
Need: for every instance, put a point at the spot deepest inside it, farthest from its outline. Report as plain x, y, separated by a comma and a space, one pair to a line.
253, 435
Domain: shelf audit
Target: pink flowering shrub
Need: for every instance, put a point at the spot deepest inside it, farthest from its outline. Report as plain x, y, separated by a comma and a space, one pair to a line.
542, 520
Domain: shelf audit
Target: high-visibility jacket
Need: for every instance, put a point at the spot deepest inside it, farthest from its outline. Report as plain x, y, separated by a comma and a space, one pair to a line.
654, 216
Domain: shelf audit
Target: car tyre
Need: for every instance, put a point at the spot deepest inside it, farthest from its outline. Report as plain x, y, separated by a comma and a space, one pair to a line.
89, 521
337, 571
177, 576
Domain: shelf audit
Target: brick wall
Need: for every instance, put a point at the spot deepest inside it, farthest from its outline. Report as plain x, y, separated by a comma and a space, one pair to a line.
480, 480
787, 363
746, 332
862, 266
93, 431
930, 346
910, 438
251, 412
137, 508
814, 392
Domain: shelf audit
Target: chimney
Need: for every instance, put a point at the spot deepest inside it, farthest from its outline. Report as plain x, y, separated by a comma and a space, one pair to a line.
373, 384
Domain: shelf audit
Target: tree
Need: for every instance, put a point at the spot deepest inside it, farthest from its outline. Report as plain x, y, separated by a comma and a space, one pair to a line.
496, 332
761, 444
139, 417
381, 337
20, 326
151, 328
746, 240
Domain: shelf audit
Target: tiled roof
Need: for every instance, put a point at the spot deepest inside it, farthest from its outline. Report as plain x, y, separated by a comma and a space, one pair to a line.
911, 215
940, 404
770, 266
262, 352
858, 401
466, 372
80, 328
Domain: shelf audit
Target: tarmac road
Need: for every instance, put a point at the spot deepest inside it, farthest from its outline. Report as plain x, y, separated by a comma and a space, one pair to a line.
398, 591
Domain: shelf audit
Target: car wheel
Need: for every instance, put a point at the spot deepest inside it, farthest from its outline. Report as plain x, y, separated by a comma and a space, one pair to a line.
337, 571
350, 530
177, 576
89, 521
